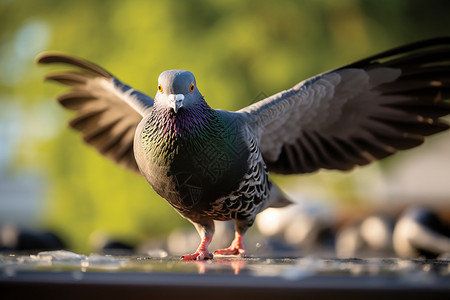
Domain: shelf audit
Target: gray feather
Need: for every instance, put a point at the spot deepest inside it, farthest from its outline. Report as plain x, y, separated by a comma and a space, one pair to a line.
395, 101
104, 106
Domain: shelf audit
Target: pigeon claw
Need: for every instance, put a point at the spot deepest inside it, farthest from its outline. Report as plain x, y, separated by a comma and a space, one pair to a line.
198, 255
230, 251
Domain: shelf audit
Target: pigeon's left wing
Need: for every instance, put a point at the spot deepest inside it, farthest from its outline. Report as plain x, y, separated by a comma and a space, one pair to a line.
108, 111
358, 113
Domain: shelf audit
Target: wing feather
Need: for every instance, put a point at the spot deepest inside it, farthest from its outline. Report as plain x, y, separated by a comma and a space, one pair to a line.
356, 114
108, 111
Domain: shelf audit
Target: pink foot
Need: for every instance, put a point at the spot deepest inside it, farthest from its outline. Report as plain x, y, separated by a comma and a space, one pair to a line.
236, 247
198, 255
202, 252
230, 251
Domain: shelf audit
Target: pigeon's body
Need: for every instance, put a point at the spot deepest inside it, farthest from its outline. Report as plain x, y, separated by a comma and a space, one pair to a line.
192, 159
213, 165
204, 162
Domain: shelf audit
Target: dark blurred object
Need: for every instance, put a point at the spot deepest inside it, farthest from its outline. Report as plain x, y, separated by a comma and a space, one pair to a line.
116, 248
371, 237
19, 239
420, 232
103, 243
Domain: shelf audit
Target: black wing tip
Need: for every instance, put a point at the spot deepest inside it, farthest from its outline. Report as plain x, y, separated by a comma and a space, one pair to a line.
405, 48
49, 57
438, 40
419, 44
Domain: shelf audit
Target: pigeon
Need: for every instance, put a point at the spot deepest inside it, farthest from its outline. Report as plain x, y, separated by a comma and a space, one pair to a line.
211, 164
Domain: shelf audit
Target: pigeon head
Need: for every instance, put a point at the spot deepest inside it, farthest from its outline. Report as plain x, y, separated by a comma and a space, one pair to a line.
177, 90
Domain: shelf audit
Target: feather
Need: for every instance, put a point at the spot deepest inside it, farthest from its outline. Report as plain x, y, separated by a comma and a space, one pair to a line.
368, 110
108, 111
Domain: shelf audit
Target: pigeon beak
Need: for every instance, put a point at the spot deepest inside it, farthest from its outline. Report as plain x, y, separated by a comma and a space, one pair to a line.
176, 101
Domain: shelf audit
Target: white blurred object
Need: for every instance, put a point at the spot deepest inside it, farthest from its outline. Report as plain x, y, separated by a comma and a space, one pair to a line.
158, 253
58, 256
376, 231
349, 242
67, 258
371, 237
273, 221
48, 258
298, 224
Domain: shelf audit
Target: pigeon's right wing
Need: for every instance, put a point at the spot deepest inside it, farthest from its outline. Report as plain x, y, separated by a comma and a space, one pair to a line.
108, 111
358, 113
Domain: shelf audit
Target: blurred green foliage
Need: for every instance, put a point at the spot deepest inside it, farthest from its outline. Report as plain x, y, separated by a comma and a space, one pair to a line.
238, 50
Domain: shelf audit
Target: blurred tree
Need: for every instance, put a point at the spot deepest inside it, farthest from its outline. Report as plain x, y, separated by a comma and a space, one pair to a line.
238, 50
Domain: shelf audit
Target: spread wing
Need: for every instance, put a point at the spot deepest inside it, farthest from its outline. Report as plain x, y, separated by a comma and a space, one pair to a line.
358, 113
108, 111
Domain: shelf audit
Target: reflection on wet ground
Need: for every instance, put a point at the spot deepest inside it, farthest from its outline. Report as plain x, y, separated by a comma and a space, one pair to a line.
166, 277
288, 268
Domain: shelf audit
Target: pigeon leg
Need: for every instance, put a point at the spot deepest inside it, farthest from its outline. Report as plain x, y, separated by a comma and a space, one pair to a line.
237, 245
206, 231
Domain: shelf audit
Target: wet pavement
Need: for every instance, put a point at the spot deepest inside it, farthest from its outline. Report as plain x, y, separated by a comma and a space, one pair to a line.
164, 276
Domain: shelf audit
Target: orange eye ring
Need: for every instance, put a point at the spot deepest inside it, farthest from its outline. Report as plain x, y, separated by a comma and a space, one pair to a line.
191, 88
160, 89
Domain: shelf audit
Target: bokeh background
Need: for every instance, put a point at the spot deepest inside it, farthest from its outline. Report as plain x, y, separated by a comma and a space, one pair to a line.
240, 52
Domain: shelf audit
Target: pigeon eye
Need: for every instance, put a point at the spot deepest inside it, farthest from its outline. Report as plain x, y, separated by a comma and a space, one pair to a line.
160, 89
191, 88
